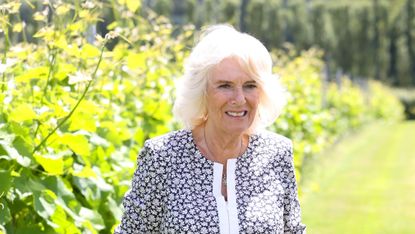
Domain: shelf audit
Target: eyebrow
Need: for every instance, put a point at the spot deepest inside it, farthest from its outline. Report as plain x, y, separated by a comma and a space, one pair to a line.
230, 82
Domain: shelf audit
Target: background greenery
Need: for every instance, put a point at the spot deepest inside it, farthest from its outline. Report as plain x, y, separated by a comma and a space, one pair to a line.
76, 107
365, 38
363, 187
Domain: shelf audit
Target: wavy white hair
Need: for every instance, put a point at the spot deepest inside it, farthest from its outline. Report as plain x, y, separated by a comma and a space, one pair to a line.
217, 43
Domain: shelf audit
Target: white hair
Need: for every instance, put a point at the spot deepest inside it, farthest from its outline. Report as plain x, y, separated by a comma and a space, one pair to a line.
217, 43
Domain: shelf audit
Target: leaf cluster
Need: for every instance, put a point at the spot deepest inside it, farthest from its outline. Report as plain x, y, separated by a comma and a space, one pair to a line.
74, 114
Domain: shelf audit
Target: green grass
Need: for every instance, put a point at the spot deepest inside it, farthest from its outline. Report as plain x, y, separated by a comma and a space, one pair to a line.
364, 184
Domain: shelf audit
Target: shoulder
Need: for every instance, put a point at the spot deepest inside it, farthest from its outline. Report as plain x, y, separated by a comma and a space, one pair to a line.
272, 139
168, 140
277, 147
158, 151
164, 146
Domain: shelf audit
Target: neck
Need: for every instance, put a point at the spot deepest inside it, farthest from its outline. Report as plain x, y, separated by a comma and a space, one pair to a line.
222, 146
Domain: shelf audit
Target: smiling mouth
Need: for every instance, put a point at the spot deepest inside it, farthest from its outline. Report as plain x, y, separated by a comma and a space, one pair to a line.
237, 113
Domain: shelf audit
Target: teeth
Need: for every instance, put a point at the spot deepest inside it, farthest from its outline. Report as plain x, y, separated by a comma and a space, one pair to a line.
236, 114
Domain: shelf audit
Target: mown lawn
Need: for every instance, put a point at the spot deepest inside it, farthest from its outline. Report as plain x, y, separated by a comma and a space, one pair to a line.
364, 184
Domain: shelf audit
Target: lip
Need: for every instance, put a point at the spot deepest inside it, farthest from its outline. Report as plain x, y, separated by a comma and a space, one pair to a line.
237, 114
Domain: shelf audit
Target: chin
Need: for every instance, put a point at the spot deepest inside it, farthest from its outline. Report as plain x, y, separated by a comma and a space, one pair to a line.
237, 130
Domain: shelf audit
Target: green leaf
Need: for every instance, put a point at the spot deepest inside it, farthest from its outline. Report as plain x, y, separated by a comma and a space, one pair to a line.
8, 148
114, 208
78, 143
53, 164
139, 136
136, 60
6, 181
22, 146
34, 73
20, 130
63, 70
65, 224
85, 172
89, 51
5, 216
84, 121
63, 9
67, 200
133, 5
93, 217
22, 112
44, 203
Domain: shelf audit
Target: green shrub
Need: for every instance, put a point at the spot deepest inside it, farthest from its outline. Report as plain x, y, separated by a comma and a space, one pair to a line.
317, 113
74, 116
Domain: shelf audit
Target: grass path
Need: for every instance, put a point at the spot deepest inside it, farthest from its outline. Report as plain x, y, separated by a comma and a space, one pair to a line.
364, 184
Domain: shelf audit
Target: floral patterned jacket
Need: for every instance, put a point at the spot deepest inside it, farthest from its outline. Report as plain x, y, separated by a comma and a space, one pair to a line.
175, 189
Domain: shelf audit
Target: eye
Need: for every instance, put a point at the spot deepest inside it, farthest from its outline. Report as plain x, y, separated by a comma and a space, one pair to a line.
251, 86
224, 86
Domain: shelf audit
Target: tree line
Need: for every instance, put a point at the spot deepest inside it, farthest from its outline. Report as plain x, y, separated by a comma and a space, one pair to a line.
364, 39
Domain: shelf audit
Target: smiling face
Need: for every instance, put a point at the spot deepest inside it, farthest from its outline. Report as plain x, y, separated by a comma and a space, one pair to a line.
232, 98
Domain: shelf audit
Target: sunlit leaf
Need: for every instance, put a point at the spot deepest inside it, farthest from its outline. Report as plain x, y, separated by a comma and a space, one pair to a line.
89, 51
45, 32
89, 107
64, 69
60, 42
85, 14
79, 77
18, 27
76, 26
78, 143
22, 113
93, 217
9, 149
66, 225
53, 164
38, 16
136, 60
112, 25
116, 132
133, 5
83, 121
139, 135
83, 172
62, 9
34, 73
44, 203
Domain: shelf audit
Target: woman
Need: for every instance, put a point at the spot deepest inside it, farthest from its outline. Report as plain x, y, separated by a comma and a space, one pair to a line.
223, 173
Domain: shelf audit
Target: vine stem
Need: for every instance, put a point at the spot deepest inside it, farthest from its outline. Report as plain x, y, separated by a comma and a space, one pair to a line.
51, 67
4, 59
76, 105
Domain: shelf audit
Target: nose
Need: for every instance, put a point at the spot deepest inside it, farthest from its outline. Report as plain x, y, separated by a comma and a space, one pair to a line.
239, 97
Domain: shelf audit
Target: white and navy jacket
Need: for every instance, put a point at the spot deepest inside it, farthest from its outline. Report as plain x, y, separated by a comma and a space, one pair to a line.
175, 189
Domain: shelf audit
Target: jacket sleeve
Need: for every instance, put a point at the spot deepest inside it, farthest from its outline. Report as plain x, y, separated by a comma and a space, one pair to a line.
143, 204
292, 211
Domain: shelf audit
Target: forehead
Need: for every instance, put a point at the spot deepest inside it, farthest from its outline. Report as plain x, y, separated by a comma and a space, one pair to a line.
231, 70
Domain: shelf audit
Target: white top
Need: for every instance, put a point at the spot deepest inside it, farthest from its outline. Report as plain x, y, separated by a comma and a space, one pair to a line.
228, 215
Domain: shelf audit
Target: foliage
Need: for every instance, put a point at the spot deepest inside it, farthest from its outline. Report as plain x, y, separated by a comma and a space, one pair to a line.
319, 111
75, 115
407, 97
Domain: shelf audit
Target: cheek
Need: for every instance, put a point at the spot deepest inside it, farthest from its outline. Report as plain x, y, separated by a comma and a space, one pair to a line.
254, 100
216, 101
